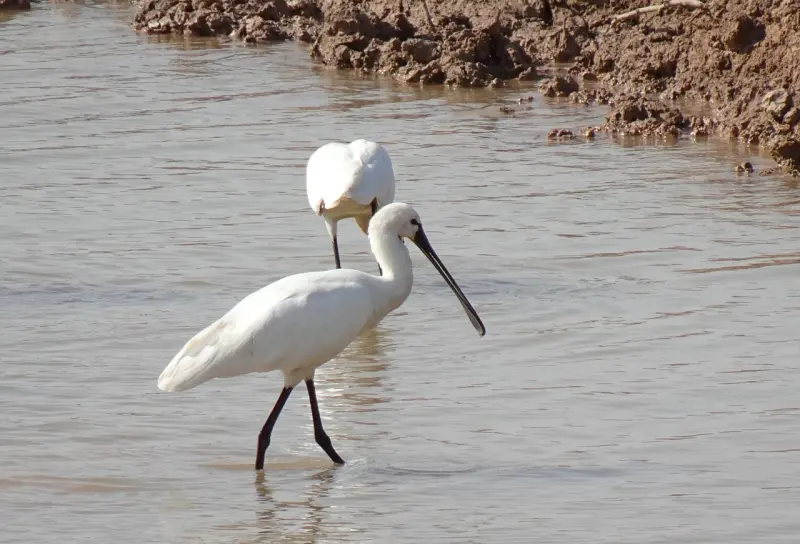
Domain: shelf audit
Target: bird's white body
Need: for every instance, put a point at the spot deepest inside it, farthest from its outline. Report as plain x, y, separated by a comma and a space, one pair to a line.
342, 180
300, 322
297, 323
293, 325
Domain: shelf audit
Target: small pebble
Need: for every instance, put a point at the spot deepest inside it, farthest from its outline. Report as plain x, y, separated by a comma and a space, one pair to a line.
525, 99
744, 167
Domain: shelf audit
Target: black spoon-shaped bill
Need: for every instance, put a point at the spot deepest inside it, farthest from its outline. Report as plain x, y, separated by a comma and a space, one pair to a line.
421, 240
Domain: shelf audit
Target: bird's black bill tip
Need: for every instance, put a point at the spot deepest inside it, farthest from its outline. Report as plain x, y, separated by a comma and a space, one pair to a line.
479, 326
424, 245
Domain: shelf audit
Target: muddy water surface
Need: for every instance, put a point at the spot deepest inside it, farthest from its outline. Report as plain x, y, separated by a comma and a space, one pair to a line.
638, 382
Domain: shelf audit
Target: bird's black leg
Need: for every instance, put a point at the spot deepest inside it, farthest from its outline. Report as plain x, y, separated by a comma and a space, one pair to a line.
336, 253
266, 430
319, 433
374, 207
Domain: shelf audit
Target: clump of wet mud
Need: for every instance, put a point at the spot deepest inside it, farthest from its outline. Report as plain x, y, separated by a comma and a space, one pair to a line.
15, 4
641, 116
736, 57
252, 21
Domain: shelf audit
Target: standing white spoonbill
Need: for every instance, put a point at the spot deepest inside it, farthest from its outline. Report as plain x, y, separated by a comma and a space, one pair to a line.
349, 180
302, 321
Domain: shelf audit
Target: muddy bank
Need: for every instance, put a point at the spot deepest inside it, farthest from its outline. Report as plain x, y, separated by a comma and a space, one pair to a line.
737, 57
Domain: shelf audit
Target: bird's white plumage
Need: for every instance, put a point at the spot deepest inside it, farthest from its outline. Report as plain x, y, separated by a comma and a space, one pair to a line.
302, 321
293, 325
341, 177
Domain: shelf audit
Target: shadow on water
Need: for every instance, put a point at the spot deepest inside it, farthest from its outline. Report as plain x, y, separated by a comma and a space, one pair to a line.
187, 43
6, 16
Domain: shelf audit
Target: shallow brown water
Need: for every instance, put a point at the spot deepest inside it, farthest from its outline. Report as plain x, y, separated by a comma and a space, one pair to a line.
638, 381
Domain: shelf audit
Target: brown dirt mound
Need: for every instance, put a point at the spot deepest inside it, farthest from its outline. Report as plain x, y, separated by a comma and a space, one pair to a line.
249, 20
460, 45
738, 56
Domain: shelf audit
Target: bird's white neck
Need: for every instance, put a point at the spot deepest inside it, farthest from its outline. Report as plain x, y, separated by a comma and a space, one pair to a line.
395, 262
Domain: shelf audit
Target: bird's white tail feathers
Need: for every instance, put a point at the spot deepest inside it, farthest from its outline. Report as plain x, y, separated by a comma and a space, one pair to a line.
192, 365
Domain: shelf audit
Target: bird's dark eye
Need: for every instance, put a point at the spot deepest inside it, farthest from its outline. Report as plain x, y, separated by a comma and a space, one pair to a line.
415, 222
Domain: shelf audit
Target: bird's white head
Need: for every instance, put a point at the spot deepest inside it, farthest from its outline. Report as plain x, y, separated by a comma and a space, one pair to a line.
396, 218
400, 219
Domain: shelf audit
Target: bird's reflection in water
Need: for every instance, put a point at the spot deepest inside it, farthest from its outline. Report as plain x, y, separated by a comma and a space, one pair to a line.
305, 517
355, 381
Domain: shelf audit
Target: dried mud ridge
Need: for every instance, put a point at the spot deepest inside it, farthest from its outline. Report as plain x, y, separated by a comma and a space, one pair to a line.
738, 58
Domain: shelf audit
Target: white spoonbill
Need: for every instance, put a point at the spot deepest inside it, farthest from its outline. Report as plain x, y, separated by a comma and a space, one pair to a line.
349, 180
300, 322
